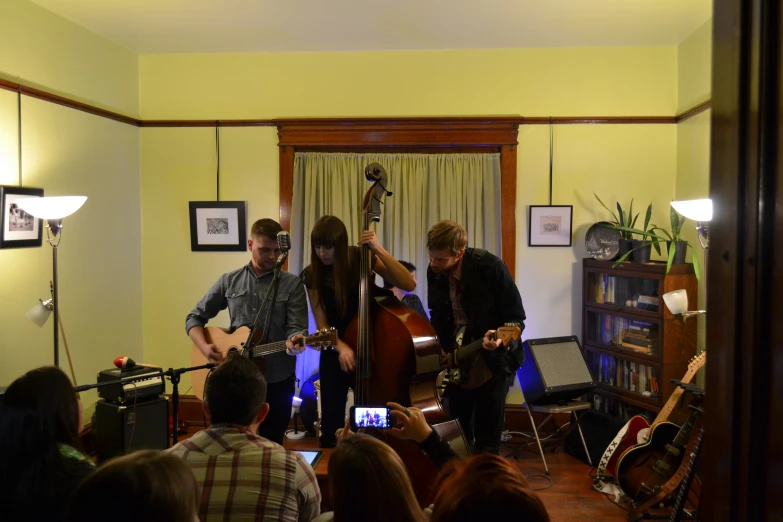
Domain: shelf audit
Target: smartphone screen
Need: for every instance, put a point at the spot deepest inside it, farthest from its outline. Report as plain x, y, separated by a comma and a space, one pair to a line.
370, 417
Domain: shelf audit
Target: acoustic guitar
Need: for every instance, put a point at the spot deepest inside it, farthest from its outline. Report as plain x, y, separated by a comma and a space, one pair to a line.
235, 342
455, 360
638, 429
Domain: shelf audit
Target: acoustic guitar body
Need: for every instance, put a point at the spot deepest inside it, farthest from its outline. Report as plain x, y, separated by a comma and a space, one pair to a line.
226, 343
639, 470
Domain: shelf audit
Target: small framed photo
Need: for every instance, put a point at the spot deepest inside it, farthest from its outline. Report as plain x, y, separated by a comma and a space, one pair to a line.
550, 225
19, 229
218, 226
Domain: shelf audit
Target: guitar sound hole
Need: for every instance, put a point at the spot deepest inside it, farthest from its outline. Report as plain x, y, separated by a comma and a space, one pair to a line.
233, 349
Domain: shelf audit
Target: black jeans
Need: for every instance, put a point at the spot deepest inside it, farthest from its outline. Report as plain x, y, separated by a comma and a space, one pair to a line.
481, 412
279, 396
334, 392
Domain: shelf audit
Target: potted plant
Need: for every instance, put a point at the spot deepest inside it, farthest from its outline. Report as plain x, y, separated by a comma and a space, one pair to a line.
676, 243
623, 223
642, 248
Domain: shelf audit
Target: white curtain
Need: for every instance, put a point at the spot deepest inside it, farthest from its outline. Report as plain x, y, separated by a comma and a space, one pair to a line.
425, 189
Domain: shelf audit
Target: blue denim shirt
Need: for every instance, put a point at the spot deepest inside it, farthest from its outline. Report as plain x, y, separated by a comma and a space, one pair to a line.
242, 291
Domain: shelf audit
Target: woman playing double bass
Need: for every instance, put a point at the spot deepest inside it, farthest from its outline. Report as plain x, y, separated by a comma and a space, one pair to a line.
332, 281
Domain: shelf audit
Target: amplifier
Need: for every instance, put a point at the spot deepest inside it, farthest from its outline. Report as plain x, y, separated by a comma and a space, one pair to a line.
153, 385
554, 370
121, 429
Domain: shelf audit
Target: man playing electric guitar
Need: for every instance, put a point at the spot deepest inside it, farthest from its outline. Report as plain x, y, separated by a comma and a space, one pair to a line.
472, 288
242, 292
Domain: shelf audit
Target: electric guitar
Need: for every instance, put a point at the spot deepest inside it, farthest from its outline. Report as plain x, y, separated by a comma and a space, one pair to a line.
455, 360
644, 469
235, 342
638, 429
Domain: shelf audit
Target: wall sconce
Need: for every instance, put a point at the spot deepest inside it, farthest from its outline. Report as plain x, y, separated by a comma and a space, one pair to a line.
677, 303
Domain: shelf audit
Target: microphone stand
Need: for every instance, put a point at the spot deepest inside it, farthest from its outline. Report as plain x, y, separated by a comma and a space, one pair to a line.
271, 292
174, 377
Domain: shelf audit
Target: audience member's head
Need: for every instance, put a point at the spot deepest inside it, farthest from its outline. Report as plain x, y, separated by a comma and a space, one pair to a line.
147, 485
236, 393
410, 267
485, 487
368, 481
40, 424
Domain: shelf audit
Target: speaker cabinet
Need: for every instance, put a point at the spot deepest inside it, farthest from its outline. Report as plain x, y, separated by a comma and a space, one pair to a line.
123, 428
554, 370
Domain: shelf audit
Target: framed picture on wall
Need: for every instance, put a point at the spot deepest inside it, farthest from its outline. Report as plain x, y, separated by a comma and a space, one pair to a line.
19, 229
218, 226
549, 225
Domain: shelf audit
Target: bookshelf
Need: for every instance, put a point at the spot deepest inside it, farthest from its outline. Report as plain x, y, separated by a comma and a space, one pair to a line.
632, 344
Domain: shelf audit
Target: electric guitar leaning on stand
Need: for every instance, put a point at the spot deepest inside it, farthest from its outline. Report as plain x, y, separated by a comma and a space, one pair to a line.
455, 360
235, 342
638, 429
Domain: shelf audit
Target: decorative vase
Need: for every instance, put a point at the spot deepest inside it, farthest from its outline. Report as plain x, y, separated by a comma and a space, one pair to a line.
680, 249
642, 251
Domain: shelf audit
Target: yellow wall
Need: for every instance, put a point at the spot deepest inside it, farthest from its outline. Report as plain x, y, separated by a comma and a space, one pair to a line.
44, 50
564, 81
178, 165
694, 64
71, 152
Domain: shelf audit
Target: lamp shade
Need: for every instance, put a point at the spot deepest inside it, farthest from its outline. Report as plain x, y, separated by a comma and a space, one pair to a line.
40, 313
53, 207
676, 301
695, 209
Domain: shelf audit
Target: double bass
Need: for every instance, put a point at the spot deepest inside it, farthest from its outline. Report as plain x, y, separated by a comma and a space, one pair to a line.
387, 338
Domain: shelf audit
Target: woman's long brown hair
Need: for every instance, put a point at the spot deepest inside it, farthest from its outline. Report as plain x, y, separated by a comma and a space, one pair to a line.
330, 231
368, 481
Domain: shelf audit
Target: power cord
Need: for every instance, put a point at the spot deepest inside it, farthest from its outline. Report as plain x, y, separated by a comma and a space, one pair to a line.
135, 420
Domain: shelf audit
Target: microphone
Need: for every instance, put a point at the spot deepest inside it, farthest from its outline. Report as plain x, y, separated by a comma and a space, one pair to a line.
126, 363
284, 240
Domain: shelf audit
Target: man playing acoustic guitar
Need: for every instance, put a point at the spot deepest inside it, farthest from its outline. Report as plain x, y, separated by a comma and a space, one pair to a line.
242, 291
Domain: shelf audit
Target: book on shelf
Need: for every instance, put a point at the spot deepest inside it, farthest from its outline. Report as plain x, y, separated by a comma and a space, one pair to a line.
628, 375
626, 291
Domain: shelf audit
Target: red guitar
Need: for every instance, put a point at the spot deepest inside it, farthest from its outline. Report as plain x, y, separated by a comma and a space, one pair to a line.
639, 429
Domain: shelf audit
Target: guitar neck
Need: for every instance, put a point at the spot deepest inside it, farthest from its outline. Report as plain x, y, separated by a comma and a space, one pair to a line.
470, 349
266, 349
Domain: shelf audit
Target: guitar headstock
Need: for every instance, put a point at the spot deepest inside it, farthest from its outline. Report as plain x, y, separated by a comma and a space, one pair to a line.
697, 362
507, 333
324, 338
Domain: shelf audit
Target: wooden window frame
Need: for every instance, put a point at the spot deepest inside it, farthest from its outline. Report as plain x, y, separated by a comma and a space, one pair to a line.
406, 135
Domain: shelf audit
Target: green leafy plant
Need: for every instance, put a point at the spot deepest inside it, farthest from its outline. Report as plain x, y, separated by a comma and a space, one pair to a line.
673, 236
624, 221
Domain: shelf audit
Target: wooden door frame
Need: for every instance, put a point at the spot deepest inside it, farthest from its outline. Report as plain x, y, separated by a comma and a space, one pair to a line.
743, 455
400, 135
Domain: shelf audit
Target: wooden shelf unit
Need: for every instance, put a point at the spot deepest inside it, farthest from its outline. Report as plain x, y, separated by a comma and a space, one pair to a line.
612, 322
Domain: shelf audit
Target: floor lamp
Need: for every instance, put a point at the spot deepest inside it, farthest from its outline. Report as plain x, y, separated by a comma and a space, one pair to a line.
53, 210
700, 211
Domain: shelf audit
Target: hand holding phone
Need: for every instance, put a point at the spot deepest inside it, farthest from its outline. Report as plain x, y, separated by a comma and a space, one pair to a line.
412, 423
378, 417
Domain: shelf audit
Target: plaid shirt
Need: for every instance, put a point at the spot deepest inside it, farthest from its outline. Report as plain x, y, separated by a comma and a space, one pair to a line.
478, 372
243, 476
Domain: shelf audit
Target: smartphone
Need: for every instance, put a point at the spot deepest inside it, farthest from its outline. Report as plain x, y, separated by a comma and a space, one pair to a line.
378, 417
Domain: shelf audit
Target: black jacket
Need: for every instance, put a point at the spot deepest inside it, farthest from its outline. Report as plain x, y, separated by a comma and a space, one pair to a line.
490, 299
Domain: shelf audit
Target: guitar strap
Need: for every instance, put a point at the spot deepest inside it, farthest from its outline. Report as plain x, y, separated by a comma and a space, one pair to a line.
603, 483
